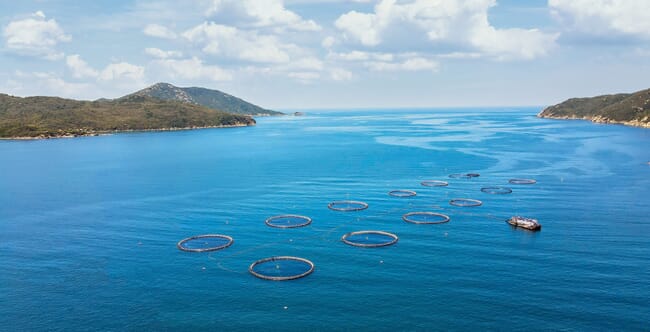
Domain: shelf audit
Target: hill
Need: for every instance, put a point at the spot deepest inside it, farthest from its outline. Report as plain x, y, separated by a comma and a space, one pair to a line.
205, 97
632, 109
44, 117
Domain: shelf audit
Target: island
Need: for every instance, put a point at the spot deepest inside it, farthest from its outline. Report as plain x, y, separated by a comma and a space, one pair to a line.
209, 98
51, 117
632, 109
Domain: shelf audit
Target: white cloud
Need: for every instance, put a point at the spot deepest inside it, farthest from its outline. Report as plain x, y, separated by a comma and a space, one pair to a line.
122, 71
159, 31
35, 36
365, 28
328, 42
339, 74
307, 63
46, 84
160, 54
304, 76
231, 42
459, 55
193, 68
413, 64
360, 56
627, 17
79, 67
260, 13
462, 24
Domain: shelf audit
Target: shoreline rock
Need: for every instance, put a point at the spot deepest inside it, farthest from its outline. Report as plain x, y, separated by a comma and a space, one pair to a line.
111, 132
596, 119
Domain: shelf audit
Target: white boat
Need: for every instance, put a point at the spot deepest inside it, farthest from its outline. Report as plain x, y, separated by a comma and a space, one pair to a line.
527, 223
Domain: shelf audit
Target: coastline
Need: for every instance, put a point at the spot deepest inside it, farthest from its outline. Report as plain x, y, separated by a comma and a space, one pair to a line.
597, 119
111, 132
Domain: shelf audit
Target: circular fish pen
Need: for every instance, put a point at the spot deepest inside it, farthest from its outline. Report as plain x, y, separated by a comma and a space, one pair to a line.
402, 193
347, 206
464, 175
425, 218
522, 181
202, 243
288, 221
279, 268
434, 183
369, 239
465, 202
496, 190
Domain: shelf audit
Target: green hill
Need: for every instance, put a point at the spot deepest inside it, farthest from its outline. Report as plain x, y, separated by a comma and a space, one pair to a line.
205, 97
631, 109
43, 117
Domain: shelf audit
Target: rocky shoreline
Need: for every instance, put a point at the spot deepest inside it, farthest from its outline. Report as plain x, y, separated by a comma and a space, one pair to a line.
83, 133
597, 119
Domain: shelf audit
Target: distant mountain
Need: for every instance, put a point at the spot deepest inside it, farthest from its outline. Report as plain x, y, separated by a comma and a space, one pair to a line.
205, 97
632, 109
44, 117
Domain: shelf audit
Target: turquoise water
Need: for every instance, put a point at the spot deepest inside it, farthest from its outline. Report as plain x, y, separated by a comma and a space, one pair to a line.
89, 226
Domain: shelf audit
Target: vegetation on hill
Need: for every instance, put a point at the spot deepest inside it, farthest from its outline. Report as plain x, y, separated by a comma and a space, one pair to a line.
629, 109
205, 97
57, 117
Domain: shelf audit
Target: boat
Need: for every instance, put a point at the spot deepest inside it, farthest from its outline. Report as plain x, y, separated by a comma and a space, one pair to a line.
526, 223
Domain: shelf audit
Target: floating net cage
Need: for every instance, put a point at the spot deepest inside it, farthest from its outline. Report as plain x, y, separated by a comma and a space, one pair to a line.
288, 221
347, 206
522, 181
434, 183
208, 242
425, 218
496, 190
369, 239
464, 175
402, 193
465, 202
280, 268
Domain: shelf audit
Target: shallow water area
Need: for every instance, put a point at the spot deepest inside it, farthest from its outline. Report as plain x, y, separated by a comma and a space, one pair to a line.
89, 226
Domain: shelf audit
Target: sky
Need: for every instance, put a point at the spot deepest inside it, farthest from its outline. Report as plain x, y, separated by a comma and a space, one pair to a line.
306, 54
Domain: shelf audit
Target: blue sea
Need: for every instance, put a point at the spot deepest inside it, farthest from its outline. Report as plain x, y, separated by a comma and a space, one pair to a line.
89, 226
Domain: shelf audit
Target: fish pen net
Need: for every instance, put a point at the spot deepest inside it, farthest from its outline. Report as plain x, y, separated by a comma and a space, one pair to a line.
402, 193
496, 190
434, 183
465, 202
281, 268
522, 181
464, 175
208, 242
288, 221
425, 218
369, 239
347, 206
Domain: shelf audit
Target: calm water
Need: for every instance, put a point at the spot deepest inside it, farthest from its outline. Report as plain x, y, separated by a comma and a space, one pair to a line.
88, 226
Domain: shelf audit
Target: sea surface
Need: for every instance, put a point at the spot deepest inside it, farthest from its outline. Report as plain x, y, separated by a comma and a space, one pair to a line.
89, 226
